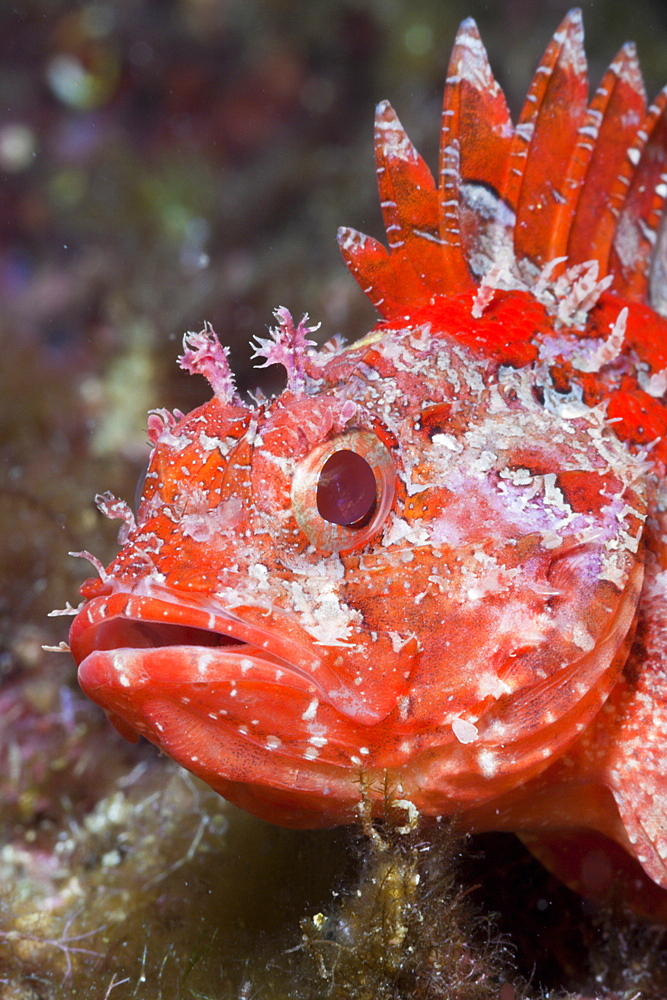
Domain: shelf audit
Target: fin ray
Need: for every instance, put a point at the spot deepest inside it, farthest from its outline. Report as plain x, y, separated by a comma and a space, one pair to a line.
636, 230
476, 116
544, 139
388, 280
615, 113
409, 200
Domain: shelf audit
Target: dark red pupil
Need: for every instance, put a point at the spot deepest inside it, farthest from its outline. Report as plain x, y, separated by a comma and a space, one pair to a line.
346, 489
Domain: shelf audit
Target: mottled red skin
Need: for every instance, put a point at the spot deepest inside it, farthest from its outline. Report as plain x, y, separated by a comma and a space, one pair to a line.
489, 640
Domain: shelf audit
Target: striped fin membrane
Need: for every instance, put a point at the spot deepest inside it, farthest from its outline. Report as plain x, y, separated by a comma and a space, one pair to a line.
572, 179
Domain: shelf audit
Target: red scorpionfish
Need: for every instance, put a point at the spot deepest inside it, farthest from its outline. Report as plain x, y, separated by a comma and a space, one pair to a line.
436, 562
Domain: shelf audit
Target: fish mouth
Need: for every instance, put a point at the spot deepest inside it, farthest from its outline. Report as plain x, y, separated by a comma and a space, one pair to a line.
242, 706
132, 648
141, 624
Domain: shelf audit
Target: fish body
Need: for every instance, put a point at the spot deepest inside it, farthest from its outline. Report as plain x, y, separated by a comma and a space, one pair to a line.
433, 568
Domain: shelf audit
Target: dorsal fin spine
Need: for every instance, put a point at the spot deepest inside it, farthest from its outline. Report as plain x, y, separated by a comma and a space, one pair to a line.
545, 140
639, 217
572, 182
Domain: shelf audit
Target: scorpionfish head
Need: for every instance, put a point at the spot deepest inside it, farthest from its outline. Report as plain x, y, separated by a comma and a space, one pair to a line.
410, 567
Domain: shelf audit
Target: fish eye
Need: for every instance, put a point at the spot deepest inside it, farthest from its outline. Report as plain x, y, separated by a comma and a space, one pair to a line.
343, 490
346, 490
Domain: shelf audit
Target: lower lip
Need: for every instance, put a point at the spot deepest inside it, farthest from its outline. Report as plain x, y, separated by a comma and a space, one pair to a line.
123, 674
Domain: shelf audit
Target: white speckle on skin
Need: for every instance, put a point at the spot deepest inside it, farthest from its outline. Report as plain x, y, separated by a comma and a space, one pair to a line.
311, 711
488, 763
447, 441
465, 732
491, 685
582, 638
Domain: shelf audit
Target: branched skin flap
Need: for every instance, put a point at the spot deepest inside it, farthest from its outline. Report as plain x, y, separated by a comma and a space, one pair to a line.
434, 564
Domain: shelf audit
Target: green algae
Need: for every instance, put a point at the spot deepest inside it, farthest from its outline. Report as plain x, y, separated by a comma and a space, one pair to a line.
408, 928
157, 890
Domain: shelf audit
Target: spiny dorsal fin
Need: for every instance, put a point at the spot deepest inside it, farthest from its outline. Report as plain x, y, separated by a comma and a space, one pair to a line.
544, 139
570, 183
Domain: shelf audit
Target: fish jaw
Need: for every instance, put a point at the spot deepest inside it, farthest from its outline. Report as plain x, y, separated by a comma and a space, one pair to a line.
167, 695
151, 617
247, 711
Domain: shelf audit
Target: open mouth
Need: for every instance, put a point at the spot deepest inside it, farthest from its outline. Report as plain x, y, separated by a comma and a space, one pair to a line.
124, 632
129, 646
139, 654
139, 624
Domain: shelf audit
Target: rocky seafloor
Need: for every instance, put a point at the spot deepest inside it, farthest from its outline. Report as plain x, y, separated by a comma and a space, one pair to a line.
162, 163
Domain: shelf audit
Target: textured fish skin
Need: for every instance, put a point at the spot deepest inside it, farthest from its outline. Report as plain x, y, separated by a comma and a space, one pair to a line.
483, 633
